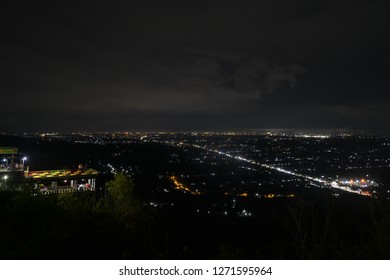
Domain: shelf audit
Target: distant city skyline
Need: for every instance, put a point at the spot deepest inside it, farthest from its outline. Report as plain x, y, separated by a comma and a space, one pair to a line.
195, 66
261, 131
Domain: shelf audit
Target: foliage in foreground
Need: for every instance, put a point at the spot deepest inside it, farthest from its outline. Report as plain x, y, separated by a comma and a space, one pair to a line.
117, 225
72, 226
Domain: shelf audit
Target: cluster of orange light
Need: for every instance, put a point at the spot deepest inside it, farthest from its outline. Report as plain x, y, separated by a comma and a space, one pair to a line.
180, 186
351, 182
271, 195
366, 193
243, 194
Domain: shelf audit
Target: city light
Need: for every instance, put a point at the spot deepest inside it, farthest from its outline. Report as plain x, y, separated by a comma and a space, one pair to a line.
5, 180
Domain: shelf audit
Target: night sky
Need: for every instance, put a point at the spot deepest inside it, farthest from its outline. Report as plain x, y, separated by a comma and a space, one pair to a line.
195, 65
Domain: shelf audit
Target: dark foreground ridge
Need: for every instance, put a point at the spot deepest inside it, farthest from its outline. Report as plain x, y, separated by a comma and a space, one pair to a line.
147, 205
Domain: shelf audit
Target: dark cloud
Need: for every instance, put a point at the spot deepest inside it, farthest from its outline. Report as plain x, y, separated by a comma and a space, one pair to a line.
189, 65
257, 77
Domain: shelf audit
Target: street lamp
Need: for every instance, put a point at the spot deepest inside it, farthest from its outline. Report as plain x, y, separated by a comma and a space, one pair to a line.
5, 180
24, 159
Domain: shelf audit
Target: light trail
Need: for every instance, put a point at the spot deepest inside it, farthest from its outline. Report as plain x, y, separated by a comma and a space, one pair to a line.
327, 183
331, 184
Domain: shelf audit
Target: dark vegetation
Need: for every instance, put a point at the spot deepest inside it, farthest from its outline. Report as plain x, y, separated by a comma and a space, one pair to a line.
119, 226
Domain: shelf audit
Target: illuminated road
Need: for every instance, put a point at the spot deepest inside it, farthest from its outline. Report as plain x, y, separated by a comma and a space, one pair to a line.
331, 184
327, 183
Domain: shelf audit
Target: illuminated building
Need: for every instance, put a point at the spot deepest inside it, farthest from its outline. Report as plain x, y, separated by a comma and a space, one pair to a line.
65, 180
47, 181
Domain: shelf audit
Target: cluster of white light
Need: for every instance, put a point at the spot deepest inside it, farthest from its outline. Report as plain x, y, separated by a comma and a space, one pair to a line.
282, 170
312, 136
113, 170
